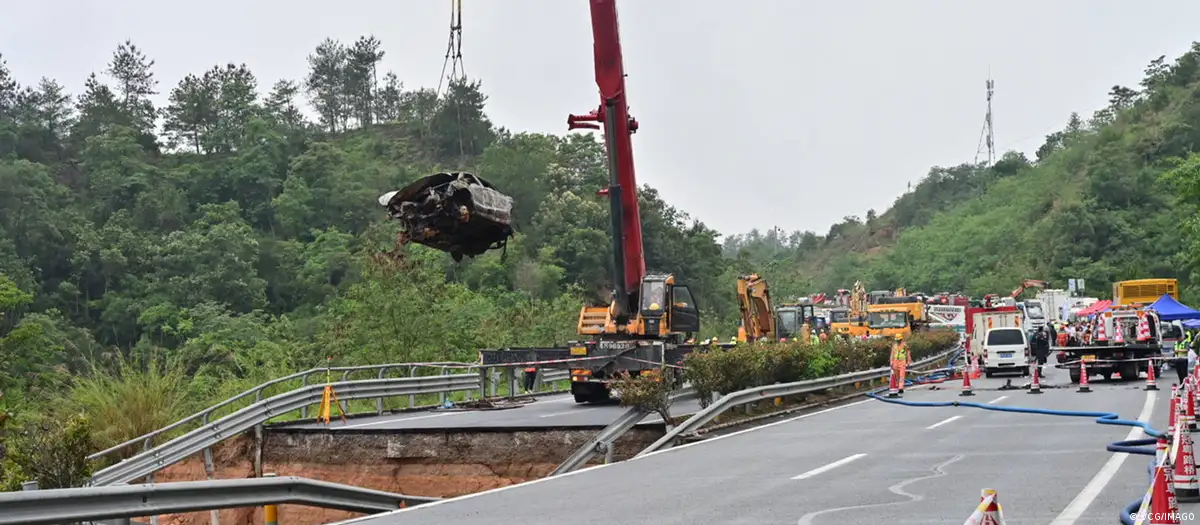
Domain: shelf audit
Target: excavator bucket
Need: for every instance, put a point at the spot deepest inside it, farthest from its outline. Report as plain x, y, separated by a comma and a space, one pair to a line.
458, 213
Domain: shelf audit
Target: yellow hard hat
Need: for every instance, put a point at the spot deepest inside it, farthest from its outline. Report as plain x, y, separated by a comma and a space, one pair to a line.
899, 336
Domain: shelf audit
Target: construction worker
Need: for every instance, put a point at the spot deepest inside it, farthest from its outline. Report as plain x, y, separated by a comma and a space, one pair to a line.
1181, 358
1040, 347
901, 358
530, 378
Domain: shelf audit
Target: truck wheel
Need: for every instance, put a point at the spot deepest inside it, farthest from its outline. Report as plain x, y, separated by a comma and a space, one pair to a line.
989, 374
1074, 373
1107, 376
1129, 371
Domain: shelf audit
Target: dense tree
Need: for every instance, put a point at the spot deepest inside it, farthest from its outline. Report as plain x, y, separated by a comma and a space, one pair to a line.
252, 244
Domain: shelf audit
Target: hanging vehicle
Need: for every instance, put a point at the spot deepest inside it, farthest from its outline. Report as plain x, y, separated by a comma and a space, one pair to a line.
458, 213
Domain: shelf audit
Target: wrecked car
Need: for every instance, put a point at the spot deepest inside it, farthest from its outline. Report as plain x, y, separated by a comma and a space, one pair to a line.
458, 213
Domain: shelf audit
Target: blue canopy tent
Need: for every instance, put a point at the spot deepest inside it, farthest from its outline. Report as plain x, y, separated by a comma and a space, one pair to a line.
1192, 324
1171, 310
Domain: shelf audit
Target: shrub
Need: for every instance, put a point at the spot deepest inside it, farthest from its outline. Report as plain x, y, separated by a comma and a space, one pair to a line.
51, 451
712, 370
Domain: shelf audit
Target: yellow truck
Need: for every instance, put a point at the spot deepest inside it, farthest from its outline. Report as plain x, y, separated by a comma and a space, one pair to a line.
896, 315
1143, 291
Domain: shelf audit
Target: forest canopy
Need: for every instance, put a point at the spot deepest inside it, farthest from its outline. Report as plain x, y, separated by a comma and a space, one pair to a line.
191, 250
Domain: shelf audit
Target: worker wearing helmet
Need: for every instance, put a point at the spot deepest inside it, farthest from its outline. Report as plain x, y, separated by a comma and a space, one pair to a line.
901, 358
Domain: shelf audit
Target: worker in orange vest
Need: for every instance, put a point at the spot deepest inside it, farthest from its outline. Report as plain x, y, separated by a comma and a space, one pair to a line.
901, 358
530, 378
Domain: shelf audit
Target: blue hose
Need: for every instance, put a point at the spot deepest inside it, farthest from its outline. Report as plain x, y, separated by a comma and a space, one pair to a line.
1103, 418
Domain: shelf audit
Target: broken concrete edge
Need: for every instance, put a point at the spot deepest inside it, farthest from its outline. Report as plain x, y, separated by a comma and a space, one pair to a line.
443, 430
421, 408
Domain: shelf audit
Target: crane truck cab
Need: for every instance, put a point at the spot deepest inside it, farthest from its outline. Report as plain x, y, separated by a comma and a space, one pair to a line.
666, 310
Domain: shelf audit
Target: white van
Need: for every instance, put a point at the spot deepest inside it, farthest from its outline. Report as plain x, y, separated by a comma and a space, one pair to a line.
1006, 349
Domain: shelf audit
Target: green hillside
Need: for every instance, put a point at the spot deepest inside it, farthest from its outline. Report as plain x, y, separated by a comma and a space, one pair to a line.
1096, 204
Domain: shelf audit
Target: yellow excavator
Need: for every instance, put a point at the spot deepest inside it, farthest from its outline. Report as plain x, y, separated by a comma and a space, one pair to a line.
762, 320
754, 299
898, 314
855, 322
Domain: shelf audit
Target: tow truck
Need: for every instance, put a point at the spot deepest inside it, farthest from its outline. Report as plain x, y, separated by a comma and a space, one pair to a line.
651, 319
1106, 357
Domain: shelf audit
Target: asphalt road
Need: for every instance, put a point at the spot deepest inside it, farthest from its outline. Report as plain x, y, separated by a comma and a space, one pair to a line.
863, 462
543, 412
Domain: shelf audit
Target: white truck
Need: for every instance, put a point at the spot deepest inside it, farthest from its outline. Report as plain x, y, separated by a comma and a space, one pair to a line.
1035, 313
997, 336
1055, 303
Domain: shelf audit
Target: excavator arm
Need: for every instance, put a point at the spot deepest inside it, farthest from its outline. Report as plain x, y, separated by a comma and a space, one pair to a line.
758, 315
1029, 283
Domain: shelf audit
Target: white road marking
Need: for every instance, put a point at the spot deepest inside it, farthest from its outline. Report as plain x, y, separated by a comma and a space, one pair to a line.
831, 466
942, 422
386, 421
568, 412
589, 469
1076, 508
997, 400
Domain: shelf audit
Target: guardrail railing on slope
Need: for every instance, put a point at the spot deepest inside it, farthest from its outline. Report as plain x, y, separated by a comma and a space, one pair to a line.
471, 379
604, 440
749, 395
38, 507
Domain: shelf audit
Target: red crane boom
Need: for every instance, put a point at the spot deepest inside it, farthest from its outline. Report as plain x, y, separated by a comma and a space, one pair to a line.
613, 115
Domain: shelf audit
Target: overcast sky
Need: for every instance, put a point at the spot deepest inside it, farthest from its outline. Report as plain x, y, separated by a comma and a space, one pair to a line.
753, 113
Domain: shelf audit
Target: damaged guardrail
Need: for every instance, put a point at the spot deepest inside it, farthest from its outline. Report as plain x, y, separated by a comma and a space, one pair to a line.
200, 439
44, 507
750, 395
603, 441
259, 392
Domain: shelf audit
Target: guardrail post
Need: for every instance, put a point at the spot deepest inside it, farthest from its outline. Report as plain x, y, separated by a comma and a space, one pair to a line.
210, 471
345, 404
484, 373
442, 395
270, 512
379, 400
304, 409
258, 440
412, 398
146, 446
512, 382
29, 485
496, 376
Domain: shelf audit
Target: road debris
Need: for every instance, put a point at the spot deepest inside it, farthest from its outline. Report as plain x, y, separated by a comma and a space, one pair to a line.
458, 213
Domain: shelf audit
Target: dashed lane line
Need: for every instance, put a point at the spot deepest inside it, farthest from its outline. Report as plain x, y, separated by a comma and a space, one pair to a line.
821, 470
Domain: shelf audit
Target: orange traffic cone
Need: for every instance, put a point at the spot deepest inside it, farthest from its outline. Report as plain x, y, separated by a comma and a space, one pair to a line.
893, 385
988, 511
1035, 384
1187, 487
1118, 333
966, 386
1143, 328
1151, 381
1100, 333
1160, 499
403, 504
1083, 378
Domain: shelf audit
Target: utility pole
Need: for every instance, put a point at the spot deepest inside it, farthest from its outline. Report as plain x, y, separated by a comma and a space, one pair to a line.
988, 134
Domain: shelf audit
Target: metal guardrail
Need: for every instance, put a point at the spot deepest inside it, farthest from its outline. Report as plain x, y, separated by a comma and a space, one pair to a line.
749, 395
204, 416
38, 507
259, 390
211, 433
603, 441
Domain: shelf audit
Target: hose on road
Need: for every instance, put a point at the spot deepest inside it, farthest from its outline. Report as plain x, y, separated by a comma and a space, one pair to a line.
936, 376
1103, 418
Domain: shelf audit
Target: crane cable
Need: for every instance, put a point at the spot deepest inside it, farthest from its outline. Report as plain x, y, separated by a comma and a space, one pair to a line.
458, 71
